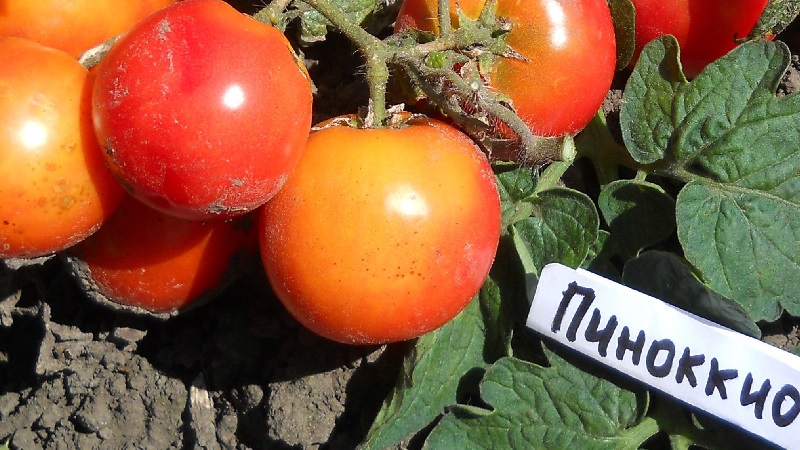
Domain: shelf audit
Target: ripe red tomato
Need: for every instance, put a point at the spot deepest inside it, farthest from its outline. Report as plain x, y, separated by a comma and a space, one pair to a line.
571, 53
705, 30
56, 189
73, 26
202, 110
382, 235
145, 259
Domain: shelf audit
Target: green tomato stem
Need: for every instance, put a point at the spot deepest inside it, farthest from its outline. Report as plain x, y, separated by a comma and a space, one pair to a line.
445, 26
597, 144
535, 149
551, 175
375, 52
636, 436
379, 55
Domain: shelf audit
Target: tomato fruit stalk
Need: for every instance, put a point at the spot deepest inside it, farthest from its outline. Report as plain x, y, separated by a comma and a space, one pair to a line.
568, 55
381, 235
202, 111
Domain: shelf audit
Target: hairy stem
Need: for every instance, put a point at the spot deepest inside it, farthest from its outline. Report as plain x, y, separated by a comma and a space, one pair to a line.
445, 26
273, 13
375, 52
535, 149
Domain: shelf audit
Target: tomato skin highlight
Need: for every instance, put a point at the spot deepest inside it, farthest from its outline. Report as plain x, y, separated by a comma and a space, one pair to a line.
202, 110
73, 26
570, 50
56, 189
705, 30
382, 235
148, 260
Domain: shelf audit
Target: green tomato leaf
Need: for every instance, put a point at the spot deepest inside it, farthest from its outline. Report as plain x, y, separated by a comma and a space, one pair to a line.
563, 226
443, 366
746, 244
601, 254
515, 184
638, 213
663, 275
776, 17
647, 118
314, 26
556, 407
735, 143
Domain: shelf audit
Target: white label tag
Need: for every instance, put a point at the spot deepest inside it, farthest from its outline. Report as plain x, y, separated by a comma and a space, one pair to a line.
725, 373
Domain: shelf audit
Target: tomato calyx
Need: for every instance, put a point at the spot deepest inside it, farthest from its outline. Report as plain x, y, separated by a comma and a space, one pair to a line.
92, 57
453, 71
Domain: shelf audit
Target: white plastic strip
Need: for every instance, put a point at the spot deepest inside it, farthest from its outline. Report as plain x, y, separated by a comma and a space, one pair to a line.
732, 376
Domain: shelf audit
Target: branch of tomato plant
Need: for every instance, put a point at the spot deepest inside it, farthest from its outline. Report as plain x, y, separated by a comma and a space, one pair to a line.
597, 143
475, 40
375, 52
535, 149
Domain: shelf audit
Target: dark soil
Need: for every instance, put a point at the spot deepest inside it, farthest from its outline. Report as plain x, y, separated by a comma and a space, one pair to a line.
236, 373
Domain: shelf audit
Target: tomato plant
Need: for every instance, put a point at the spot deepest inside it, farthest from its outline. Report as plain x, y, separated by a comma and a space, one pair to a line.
202, 110
56, 189
73, 26
554, 38
146, 259
705, 30
387, 227
382, 235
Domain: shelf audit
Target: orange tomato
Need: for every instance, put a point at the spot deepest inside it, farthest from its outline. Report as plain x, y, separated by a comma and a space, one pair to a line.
145, 259
73, 26
382, 235
56, 189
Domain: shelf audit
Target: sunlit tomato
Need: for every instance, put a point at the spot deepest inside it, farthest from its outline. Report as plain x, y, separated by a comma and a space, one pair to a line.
75, 25
382, 235
145, 259
705, 29
202, 111
570, 50
56, 189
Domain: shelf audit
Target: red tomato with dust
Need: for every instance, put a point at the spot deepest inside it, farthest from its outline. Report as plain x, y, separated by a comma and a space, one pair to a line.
145, 259
382, 235
202, 111
56, 189
570, 50
73, 26
705, 29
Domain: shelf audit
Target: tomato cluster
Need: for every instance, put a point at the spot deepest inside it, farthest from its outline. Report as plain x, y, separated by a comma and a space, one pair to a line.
146, 174
186, 140
189, 148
